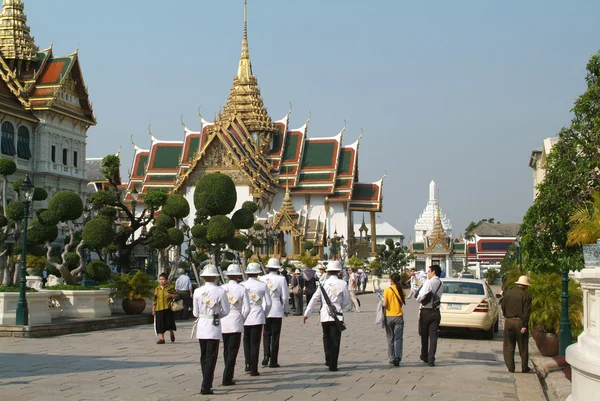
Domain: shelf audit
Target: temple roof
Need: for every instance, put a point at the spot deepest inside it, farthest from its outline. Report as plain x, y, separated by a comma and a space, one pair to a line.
497, 230
36, 79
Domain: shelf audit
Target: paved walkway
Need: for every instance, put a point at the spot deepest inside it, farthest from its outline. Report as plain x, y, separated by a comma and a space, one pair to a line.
126, 364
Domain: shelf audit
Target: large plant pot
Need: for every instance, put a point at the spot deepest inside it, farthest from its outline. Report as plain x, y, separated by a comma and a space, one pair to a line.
134, 306
547, 343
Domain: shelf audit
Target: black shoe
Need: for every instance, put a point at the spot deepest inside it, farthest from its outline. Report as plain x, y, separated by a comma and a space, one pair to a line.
431, 364
423, 359
391, 361
247, 368
254, 374
396, 362
333, 369
265, 361
274, 365
229, 383
527, 370
206, 392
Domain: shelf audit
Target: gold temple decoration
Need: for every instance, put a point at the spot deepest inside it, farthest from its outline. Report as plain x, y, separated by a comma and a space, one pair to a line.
287, 210
16, 42
245, 99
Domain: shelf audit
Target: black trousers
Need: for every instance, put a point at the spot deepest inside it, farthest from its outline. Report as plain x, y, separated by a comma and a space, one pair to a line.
252, 345
184, 314
231, 346
209, 352
309, 295
512, 337
332, 337
271, 338
429, 323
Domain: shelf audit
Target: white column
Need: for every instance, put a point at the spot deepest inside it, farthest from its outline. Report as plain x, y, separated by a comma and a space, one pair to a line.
449, 264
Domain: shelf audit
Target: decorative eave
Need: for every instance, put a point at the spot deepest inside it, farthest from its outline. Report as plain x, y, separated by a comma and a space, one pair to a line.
367, 197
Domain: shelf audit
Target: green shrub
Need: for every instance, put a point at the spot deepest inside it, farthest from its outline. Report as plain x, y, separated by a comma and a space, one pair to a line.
164, 220
220, 229
14, 210
251, 206
67, 205
67, 287
238, 242
176, 206
134, 286
39, 234
199, 231
39, 194
102, 198
491, 275
308, 245
98, 271
48, 218
243, 219
4, 288
3, 221
176, 236
71, 260
98, 233
215, 194
7, 167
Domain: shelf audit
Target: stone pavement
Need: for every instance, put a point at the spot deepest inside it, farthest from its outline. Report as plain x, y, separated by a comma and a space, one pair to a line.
126, 364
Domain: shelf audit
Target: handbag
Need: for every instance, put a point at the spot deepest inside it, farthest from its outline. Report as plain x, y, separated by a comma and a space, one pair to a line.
432, 295
177, 306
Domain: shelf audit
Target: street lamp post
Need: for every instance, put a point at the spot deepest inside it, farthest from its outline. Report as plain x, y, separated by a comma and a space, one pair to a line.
134, 198
518, 247
564, 334
26, 191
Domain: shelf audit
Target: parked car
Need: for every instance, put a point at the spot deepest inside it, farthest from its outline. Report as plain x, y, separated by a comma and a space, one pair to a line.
466, 275
469, 304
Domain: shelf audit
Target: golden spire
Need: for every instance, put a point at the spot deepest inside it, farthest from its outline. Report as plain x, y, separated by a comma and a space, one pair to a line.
16, 42
245, 99
287, 206
438, 228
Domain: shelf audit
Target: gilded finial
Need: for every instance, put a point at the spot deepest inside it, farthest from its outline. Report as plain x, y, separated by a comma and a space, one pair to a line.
245, 67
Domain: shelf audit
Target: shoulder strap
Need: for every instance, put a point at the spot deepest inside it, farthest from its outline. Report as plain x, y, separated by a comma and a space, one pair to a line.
397, 296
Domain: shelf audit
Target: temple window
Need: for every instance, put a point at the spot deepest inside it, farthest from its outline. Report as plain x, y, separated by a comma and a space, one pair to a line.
65, 156
75, 158
23, 149
8, 139
53, 154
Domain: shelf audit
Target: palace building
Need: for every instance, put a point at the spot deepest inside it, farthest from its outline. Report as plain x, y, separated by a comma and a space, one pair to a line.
307, 189
44, 108
434, 242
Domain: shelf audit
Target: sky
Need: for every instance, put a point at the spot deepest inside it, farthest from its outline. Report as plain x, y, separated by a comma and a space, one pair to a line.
456, 91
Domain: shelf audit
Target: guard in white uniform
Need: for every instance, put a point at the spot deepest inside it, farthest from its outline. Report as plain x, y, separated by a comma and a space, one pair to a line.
232, 325
260, 304
337, 290
280, 294
210, 305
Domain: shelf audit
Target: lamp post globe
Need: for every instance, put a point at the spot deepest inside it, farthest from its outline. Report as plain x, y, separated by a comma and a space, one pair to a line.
26, 191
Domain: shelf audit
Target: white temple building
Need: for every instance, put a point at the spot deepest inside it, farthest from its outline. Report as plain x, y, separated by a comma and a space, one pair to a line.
425, 222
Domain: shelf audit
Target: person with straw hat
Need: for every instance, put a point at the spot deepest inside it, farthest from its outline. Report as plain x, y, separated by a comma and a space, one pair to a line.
337, 291
260, 305
232, 325
280, 293
516, 308
210, 305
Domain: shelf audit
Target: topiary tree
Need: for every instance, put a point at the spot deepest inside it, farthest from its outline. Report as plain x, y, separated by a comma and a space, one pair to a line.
98, 271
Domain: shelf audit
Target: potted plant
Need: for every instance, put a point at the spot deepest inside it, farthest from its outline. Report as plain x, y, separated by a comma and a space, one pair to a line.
492, 275
544, 321
134, 289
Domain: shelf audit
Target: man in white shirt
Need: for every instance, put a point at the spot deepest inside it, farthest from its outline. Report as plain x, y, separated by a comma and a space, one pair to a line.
260, 305
280, 294
183, 286
232, 325
429, 314
210, 305
337, 291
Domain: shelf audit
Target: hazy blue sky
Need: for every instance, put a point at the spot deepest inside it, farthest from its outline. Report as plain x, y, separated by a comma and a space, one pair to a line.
458, 91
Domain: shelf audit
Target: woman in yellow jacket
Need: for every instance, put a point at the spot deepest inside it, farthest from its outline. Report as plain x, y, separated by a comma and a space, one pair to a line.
393, 299
164, 317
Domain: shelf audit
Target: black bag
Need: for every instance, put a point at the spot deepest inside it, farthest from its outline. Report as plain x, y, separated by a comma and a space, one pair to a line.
432, 296
311, 285
333, 311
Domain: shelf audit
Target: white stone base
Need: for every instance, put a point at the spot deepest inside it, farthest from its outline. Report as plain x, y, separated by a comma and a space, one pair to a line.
584, 358
85, 304
37, 304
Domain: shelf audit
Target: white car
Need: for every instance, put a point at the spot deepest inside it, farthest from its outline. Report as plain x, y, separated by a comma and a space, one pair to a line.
469, 304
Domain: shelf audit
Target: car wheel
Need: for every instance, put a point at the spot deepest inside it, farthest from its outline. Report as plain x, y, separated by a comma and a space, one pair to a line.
497, 325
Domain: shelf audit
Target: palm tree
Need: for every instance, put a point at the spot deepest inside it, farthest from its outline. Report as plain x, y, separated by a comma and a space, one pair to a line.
585, 223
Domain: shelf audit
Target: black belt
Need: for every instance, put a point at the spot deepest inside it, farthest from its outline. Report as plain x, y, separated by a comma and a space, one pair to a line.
513, 318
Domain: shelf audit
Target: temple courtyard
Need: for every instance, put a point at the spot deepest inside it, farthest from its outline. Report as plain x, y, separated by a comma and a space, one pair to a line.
126, 364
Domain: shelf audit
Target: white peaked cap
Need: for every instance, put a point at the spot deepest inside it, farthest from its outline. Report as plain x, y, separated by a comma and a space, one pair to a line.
210, 271
273, 264
334, 266
253, 268
233, 270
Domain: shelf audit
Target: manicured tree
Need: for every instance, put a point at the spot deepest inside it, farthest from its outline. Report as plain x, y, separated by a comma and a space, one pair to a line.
178, 208
572, 175
98, 233
152, 202
7, 167
215, 197
66, 207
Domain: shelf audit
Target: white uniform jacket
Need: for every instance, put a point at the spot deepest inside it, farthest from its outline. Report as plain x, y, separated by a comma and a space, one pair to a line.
431, 285
209, 300
338, 294
239, 308
260, 301
279, 292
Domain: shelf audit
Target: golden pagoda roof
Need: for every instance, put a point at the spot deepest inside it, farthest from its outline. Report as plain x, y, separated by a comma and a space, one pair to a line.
244, 97
16, 42
438, 229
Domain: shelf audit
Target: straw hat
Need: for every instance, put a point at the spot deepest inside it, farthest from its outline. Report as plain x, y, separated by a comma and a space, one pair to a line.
334, 266
523, 280
297, 271
210, 271
233, 270
273, 264
321, 267
253, 268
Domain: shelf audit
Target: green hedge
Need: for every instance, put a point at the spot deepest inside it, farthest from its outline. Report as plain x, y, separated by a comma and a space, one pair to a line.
67, 287
4, 288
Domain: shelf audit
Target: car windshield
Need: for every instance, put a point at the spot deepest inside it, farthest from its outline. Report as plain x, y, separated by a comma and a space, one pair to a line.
467, 276
457, 287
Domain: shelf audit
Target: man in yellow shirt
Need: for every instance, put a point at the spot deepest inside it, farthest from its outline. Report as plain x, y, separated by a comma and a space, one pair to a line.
393, 299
